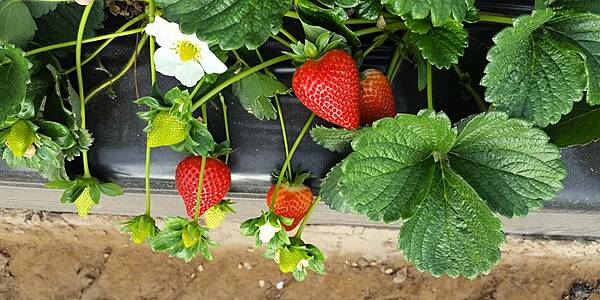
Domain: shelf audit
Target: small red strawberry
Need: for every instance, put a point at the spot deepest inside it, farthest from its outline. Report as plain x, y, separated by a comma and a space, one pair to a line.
216, 183
330, 88
377, 100
293, 201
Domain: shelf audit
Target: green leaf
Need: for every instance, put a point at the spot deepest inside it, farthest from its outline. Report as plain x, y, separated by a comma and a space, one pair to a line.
441, 46
582, 31
61, 24
369, 9
16, 24
334, 139
230, 23
40, 8
328, 19
59, 184
330, 191
592, 6
439, 10
254, 92
541, 65
391, 167
453, 232
111, 189
579, 127
446, 184
510, 164
14, 77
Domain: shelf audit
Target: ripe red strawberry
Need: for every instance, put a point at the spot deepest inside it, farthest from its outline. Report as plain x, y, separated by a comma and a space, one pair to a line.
216, 183
330, 88
377, 100
293, 201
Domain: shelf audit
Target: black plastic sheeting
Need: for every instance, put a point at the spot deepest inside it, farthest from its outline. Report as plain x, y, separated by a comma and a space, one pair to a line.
118, 150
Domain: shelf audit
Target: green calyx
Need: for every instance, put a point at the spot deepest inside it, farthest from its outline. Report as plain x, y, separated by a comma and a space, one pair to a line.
142, 228
296, 179
183, 239
20, 139
84, 192
309, 50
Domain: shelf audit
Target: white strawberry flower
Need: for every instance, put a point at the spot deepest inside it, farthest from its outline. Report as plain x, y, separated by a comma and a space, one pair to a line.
267, 232
182, 55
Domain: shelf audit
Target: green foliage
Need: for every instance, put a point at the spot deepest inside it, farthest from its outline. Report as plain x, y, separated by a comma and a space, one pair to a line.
438, 10
76, 187
230, 23
369, 9
540, 66
579, 127
329, 19
40, 8
142, 228
178, 103
440, 46
16, 24
61, 24
335, 139
446, 183
254, 92
14, 77
183, 239
510, 164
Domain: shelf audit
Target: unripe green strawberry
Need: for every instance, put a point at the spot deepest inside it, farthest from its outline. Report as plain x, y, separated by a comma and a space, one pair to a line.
213, 217
290, 258
84, 203
166, 130
20, 138
138, 236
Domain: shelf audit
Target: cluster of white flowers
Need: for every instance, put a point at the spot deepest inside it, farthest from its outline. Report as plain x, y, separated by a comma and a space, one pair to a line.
182, 55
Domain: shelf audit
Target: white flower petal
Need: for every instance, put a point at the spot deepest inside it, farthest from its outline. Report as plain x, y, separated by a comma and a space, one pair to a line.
210, 62
166, 61
267, 232
188, 73
165, 32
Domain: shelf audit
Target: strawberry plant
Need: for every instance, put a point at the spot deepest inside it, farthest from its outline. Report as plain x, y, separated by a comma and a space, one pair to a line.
445, 183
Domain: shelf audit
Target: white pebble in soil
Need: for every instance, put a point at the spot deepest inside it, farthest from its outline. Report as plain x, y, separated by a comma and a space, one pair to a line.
279, 285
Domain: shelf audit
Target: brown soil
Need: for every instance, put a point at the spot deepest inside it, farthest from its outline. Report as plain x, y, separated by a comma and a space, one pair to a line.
58, 256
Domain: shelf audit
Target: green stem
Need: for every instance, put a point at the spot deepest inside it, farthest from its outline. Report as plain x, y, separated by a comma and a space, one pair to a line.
289, 158
288, 35
151, 9
107, 42
197, 87
359, 21
199, 191
393, 62
122, 72
465, 80
204, 115
237, 77
90, 40
429, 87
147, 179
80, 31
281, 41
281, 120
298, 234
226, 122
494, 18
392, 27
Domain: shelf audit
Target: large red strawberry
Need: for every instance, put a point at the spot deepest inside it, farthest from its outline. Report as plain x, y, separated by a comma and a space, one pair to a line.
377, 99
330, 88
216, 183
293, 201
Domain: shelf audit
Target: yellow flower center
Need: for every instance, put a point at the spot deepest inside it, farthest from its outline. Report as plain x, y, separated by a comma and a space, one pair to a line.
187, 50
